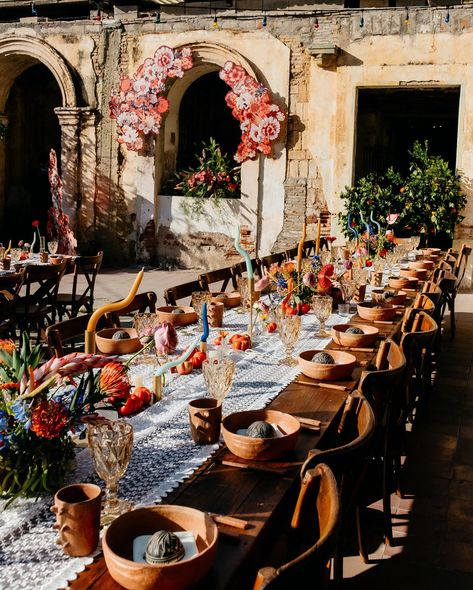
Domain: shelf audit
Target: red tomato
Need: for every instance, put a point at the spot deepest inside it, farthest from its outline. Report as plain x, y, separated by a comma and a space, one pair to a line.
185, 368
271, 327
133, 404
290, 310
305, 308
241, 342
218, 341
144, 394
369, 263
197, 359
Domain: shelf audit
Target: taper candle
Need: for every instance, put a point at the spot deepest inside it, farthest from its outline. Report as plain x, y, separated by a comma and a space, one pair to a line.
244, 253
205, 323
300, 248
317, 241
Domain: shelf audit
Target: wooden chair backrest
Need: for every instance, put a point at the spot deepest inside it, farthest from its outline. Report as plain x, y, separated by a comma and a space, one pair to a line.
240, 268
291, 253
175, 294
423, 330
432, 290
462, 262
87, 267
42, 283
143, 302
67, 331
309, 248
10, 286
268, 261
222, 275
311, 565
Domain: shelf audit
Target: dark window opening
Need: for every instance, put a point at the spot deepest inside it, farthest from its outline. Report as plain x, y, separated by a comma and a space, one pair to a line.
391, 119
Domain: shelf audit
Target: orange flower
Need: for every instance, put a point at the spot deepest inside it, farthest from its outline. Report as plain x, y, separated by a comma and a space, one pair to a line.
8, 346
289, 267
114, 380
48, 419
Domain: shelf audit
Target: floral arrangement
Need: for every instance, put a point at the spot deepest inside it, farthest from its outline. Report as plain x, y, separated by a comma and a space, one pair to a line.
260, 119
298, 287
214, 178
41, 405
139, 107
58, 221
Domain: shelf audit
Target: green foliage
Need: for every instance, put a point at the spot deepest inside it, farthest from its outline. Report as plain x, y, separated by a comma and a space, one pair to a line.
214, 178
429, 199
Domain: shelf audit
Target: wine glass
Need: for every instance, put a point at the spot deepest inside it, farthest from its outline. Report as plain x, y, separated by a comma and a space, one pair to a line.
322, 306
53, 246
218, 376
198, 298
146, 325
111, 445
289, 329
243, 289
15, 254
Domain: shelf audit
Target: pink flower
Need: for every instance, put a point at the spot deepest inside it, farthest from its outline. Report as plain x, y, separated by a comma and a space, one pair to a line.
165, 338
262, 283
392, 218
309, 280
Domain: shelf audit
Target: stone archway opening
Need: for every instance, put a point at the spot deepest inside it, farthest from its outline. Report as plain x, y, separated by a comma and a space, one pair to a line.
33, 129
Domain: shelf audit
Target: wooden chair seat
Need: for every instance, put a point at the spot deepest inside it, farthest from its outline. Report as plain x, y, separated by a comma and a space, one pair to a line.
312, 564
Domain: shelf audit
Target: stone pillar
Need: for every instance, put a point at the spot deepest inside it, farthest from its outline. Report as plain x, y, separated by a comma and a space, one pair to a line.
87, 169
3, 133
69, 119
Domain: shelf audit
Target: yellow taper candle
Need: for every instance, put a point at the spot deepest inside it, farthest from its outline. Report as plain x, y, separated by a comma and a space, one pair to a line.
300, 248
90, 332
7, 250
317, 242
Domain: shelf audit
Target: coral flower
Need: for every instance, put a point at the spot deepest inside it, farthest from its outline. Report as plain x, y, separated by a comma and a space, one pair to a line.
309, 280
8, 346
48, 419
114, 380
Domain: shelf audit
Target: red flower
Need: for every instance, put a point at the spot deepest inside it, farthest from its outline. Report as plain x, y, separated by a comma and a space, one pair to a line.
114, 380
48, 419
35, 223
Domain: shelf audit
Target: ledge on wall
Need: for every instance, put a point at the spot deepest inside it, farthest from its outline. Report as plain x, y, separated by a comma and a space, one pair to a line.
325, 55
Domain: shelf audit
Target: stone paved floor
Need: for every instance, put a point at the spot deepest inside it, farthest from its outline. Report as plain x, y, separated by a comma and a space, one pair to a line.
433, 523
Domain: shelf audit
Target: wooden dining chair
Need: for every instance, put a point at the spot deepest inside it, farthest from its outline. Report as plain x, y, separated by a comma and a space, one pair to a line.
36, 309
348, 457
240, 268
383, 387
291, 253
448, 284
68, 336
311, 567
417, 343
85, 272
222, 277
309, 248
143, 302
268, 261
462, 263
184, 291
10, 285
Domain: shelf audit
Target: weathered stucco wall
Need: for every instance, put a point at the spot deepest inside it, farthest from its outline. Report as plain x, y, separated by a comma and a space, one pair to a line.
117, 191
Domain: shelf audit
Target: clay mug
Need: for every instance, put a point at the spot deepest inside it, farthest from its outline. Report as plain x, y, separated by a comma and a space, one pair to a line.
377, 279
215, 314
77, 509
5, 264
205, 415
360, 294
43, 257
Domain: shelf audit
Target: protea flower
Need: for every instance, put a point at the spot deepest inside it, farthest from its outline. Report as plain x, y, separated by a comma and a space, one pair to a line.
114, 380
48, 419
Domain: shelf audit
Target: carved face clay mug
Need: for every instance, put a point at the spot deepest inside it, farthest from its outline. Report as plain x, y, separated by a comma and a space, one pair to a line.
77, 509
205, 415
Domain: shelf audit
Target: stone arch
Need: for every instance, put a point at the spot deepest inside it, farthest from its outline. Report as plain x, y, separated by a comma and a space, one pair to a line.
207, 58
17, 53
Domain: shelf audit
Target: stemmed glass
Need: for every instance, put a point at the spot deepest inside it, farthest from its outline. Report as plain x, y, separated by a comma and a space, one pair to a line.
53, 246
289, 329
322, 306
15, 254
111, 445
390, 257
198, 298
218, 376
146, 325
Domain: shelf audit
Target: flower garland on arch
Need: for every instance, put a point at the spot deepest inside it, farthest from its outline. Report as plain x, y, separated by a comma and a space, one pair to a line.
260, 120
139, 107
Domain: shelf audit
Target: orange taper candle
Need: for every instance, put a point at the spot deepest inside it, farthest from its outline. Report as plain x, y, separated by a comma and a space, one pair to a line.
300, 249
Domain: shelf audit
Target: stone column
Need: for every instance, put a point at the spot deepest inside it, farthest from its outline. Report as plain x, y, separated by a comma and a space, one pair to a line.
87, 168
69, 119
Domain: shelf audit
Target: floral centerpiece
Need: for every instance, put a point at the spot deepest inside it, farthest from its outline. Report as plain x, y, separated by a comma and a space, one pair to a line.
214, 178
41, 405
297, 287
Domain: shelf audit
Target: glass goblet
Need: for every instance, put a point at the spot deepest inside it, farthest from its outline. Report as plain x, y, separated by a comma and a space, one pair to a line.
146, 325
322, 306
15, 254
244, 291
289, 329
111, 445
198, 298
218, 376
53, 246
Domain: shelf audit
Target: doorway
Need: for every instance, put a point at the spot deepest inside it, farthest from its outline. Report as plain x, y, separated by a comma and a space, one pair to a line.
390, 120
33, 129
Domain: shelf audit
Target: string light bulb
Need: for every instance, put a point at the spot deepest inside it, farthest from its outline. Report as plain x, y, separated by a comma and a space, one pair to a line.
157, 20
406, 20
362, 20
447, 16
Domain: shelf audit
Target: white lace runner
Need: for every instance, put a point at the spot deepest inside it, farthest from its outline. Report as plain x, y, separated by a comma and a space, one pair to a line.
164, 455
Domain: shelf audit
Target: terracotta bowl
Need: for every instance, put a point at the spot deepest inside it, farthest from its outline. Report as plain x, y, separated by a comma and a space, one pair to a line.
368, 338
416, 264
118, 547
106, 345
260, 449
375, 311
403, 283
414, 273
394, 297
342, 369
232, 299
433, 258
430, 251
177, 319
55, 259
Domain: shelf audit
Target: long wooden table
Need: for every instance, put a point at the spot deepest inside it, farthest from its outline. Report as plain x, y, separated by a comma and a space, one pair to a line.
265, 500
